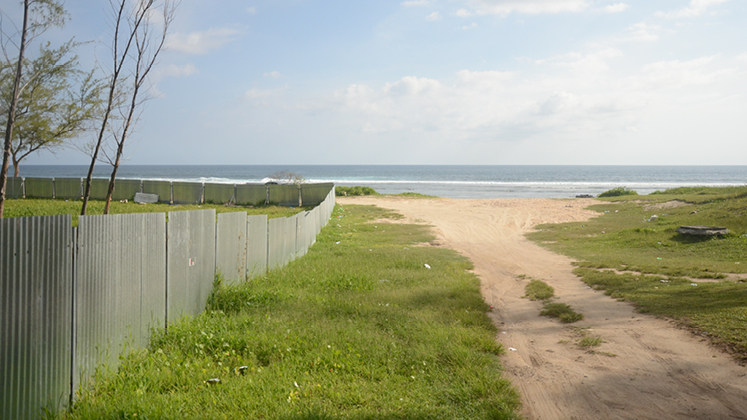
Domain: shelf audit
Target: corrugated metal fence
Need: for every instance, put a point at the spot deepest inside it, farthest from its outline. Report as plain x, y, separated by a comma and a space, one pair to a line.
172, 192
73, 301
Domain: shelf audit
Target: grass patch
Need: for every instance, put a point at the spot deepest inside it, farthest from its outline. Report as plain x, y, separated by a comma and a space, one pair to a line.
627, 254
562, 311
358, 328
539, 290
45, 207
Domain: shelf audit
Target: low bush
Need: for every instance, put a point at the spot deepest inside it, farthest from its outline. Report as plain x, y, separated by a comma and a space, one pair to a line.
618, 192
539, 290
353, 191
562, 311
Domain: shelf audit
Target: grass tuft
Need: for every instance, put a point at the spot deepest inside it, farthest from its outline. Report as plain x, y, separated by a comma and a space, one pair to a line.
539, 290
561, 311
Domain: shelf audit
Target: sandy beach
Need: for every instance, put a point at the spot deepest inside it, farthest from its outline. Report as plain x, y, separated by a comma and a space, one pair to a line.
646, 369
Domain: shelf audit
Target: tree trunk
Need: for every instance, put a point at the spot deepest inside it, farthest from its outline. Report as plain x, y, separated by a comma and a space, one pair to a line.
12, 110
112, 178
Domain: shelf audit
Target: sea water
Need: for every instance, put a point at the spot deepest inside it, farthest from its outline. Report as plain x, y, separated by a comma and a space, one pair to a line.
454, 181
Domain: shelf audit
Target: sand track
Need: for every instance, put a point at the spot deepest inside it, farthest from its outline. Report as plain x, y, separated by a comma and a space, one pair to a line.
646, 369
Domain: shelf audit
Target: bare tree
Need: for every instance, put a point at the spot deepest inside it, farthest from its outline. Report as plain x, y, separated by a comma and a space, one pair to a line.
38, 15
135, 49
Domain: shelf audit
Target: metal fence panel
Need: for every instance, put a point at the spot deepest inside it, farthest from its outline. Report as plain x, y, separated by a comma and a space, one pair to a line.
191, 261
125, 189
36, 284
39, 187
314, 194
219, 193
284, 195
251, 194
68, 188
161, 188
121, 287
14, 187
187, 192
230, 247
99, 188
289, 248
275, 242
256, 245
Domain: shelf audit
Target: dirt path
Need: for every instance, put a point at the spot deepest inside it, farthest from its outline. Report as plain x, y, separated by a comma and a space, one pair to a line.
651, 370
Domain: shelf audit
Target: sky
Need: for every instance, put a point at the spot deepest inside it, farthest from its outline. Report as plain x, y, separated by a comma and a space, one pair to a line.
484, 82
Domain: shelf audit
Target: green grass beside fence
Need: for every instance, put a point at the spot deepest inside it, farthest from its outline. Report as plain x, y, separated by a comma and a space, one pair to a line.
46, 207
359, 328
635, 257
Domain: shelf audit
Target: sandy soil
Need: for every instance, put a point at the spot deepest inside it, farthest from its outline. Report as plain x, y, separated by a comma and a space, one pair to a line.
646, 369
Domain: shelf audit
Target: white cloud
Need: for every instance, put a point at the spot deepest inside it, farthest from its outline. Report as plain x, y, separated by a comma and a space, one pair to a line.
272, 74
470, 26
251, 10
695, 8
201, 42
677, 74
414, 3
615, 8
584, 63
742, 57
463, 13
643, 32
433, 17
506, 7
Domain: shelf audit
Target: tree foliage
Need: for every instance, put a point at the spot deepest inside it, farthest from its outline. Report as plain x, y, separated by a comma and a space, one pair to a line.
56, 103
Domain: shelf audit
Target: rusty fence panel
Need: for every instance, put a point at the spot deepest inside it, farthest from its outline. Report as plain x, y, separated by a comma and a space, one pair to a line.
191, 262
230, 247
36, 283
121, 288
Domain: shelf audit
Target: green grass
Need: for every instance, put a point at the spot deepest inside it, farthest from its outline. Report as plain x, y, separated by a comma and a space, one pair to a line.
539, 290
589, 341
562, 311
45, 207
356, 329
628, 256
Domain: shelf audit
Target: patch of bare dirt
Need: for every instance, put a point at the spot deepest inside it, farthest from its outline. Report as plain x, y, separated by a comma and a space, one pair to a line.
647, 368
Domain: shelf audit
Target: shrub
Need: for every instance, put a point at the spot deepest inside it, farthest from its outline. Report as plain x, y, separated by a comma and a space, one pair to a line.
617, 192
357, 190
562, 311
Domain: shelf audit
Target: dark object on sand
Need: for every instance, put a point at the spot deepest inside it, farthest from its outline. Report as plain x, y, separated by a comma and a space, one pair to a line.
702, 230
585, 196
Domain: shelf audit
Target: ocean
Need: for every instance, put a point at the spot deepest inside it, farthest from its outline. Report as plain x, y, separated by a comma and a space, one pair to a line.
454, 181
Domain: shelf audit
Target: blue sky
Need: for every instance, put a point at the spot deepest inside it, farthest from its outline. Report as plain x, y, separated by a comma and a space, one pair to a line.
438, 82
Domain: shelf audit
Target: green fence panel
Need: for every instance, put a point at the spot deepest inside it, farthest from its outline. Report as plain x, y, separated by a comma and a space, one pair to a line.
314, 194
99, 188
251, 194
187, 192
39, 187
219, 193
161, 188
125, 189
14, 187
68, 188
284, 195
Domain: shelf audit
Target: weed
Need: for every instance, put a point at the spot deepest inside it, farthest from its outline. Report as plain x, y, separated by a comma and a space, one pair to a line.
588, 341
561, 311
539, 290
617, 192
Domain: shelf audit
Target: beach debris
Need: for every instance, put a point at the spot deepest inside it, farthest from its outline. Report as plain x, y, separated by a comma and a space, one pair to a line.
145, 198
427, 266
658, 258
653, 218
584, 196
693, 284
241, 370
665, 281
338, 242
512, 349
213, 381
699, 230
